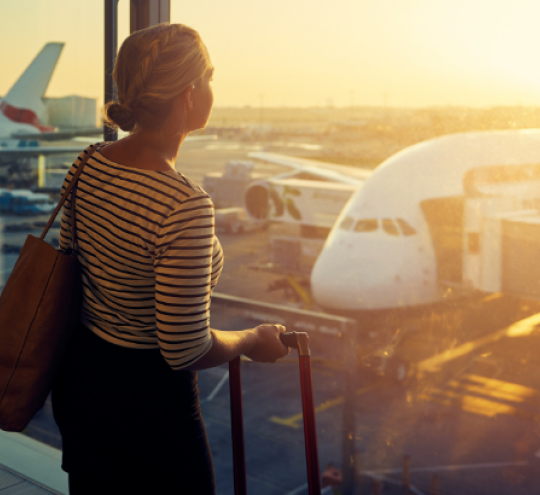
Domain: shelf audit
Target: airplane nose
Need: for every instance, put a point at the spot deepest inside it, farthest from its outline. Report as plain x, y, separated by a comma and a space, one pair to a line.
340, 276
329, 277
374, 275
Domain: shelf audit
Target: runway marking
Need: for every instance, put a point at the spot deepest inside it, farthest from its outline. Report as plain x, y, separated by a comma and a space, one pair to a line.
411, 488
300, 291
295, 421
301, 488
217, 388
489, 394
521, 328
499, 389
474, 404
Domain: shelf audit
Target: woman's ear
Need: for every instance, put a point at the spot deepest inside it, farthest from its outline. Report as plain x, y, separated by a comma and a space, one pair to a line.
188, 97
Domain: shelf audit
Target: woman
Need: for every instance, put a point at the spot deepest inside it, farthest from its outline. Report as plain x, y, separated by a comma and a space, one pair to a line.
126, 398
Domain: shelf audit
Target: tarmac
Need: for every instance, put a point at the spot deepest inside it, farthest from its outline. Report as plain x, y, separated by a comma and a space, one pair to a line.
474, 430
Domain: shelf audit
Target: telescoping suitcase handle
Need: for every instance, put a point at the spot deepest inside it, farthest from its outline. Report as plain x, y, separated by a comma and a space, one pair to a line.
295, 340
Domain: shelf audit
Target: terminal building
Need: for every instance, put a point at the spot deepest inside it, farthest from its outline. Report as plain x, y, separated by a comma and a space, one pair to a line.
72, 111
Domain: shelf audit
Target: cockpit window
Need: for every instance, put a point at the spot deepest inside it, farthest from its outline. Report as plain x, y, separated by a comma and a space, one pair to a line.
346, 223
389, 226
405, 227
366, 225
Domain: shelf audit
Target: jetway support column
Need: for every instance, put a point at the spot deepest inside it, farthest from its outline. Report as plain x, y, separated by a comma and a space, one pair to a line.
348, 442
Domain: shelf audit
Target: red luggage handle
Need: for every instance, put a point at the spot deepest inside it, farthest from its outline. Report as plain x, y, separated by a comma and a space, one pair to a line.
299, 340
295, 340
237, 425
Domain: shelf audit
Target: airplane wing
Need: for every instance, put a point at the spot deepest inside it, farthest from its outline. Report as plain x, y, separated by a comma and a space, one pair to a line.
61, 134
89, 135
32, 151
326, 171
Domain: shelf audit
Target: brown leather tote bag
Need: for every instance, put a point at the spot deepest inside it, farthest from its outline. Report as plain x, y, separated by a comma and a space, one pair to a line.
39, 307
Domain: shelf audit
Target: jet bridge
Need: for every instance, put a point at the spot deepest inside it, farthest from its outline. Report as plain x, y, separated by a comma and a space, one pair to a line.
486, 244
445, 218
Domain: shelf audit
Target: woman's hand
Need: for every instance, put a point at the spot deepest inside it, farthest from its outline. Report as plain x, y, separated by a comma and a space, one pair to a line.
267, 347
261, 344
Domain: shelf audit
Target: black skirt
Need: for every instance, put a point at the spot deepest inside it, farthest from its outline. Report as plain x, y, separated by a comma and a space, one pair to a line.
125, 414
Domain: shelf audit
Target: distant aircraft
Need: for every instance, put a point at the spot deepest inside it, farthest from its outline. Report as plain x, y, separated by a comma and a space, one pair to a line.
384, 251
23, 113
23, 109
22, 117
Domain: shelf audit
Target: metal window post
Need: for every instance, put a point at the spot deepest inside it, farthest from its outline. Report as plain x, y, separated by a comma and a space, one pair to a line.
111, 47
143, 13
146, 13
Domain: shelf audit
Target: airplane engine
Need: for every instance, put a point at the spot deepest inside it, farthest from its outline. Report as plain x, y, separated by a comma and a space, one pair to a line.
300, 201
257, 200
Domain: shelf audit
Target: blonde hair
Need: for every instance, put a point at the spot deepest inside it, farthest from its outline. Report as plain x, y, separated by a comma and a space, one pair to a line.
154, 65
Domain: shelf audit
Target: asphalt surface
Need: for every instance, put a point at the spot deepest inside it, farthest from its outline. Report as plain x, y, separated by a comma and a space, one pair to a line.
474, 424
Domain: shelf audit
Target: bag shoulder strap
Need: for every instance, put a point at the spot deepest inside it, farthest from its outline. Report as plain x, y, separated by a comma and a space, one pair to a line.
70, 186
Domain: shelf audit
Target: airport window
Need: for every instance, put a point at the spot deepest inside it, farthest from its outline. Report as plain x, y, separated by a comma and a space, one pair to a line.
367, 225
346, 223
405, 227
51, 92
410, 368
389, 227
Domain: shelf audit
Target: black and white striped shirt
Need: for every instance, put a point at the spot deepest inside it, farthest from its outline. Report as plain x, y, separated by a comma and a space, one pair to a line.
149, 257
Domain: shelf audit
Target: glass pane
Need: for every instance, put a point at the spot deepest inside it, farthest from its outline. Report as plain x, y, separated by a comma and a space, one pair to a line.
51, 87
280, 95
346, 223
367, 225
405, 227
389, 226
425, 368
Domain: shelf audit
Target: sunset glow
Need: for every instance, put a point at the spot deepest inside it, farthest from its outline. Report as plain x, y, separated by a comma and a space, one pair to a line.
413, 53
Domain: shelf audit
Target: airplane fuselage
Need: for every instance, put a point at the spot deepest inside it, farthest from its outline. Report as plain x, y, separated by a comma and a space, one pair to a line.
380, 253
375, 269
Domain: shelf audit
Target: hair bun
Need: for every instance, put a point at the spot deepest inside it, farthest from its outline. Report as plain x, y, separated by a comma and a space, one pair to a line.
119, 116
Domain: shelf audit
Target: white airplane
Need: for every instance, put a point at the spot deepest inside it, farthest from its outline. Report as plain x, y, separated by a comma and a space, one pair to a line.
23, 117
380, 253
23, 109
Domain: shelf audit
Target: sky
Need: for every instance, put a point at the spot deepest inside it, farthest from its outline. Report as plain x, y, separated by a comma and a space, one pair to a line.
410, 53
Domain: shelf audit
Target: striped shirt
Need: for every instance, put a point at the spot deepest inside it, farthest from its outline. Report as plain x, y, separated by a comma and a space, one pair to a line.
149, 257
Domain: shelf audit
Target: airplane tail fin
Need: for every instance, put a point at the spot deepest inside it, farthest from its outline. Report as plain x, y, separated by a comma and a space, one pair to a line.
27, 93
